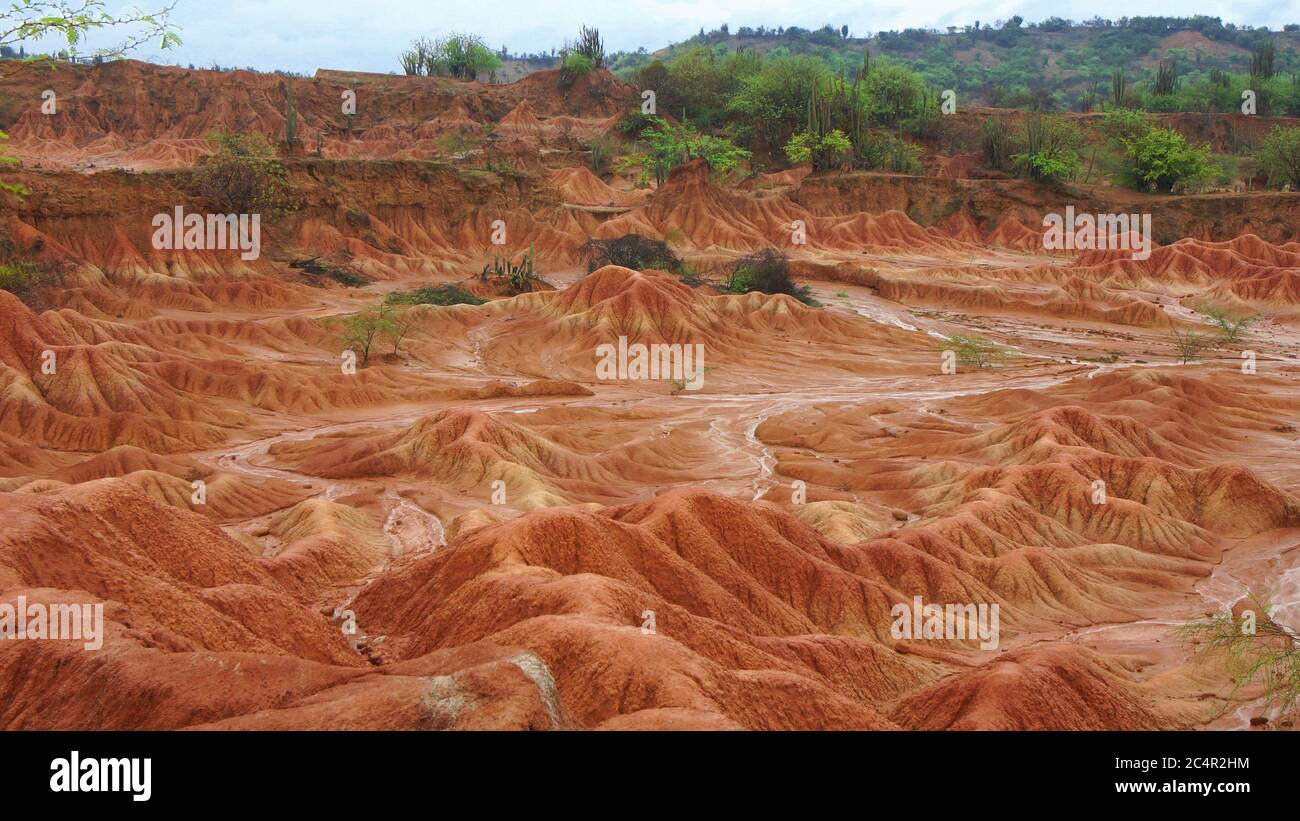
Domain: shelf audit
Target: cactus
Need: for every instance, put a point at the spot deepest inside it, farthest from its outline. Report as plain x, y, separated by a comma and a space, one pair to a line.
1118, 89
290, 117
1261, 62
1166, 78
518, 275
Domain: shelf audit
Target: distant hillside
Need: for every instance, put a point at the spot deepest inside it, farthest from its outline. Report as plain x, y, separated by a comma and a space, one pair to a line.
1014, 63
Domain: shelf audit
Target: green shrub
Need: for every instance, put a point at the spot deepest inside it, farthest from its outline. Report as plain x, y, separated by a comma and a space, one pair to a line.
767, 271
894, 92
1125, 125
5, 159
825, 152
339, 275
997, 144
1163, 160
771, 103
1051, 149
631, 251
1278, 156
976, 351
573, 66
885, 151
1232, 326
443, 295
673, 145
242, 177
462, 56
22, 279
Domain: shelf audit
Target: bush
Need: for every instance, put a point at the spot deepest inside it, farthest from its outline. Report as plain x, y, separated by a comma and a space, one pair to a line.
1232, 326
1252, 648
442, 295
631, 251
602, 148
975, 351
997, 144
573, 66
1123, 126
462, 56
772, 102
634, 122
673, 145
895, 92
242, 177
1189, 345
767, 271
1278, 156
882, 150
22, 279
1163, 160
5, 159
825, 152
1051, 149
339, 275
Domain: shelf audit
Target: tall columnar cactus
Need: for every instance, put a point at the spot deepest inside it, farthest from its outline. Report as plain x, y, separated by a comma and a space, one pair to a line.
1261, 62
1166, 78
290, 117
1118, 89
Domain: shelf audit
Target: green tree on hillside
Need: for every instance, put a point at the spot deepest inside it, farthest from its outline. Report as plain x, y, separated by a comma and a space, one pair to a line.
1278, 156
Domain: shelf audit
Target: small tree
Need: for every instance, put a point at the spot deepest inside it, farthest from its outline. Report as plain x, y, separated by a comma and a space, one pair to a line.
825, 152
1189, 345
401, 322
976, 351
1051, 149
360, 330
1254, 649
1278, 156
24, 280
1232, 326
462, 56
242, 176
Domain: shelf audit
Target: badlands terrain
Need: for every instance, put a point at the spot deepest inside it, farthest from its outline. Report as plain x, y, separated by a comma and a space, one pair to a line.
474, 531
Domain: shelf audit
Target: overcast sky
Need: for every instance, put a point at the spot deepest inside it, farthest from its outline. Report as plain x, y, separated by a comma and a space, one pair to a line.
303, 35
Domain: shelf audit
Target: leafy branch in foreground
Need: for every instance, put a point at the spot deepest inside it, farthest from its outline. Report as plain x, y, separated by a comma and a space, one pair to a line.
33, 19
1253, 649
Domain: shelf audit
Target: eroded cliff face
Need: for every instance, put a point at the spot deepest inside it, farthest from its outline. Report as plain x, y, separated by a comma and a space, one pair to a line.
472, 525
